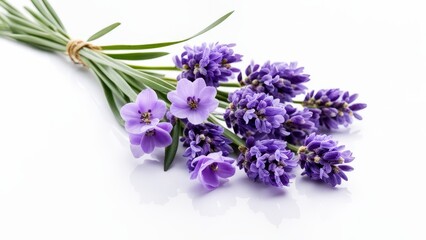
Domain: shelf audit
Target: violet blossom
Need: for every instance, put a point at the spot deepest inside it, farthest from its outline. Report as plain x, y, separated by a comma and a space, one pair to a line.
142, 112
268, 161
211, 168
210, 62
281, 80
254, 114
193, 100
203, 139
323, 159
333, 107
155, 134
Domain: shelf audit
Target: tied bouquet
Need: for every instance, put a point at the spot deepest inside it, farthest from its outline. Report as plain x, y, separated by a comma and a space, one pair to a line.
265, 123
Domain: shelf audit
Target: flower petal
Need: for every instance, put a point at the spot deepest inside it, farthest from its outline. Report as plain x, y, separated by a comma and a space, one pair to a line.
180, 112
207, 94
162, 138
175, 99
198, 116
135, 139
130, 111
166, 126
209, 105
148, 144
198, 85
208, 178
136, 151
185, 88
133, 126
146, 99
158, 109
225, 170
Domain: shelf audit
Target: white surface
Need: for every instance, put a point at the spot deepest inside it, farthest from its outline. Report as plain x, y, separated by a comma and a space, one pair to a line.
66, 171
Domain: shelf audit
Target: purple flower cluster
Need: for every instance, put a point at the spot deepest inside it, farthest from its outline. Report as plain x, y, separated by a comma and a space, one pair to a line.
322, 159
209, 62
333, 107
142, 122
252, 113
298, 125
280, 80
204, 139
268, 161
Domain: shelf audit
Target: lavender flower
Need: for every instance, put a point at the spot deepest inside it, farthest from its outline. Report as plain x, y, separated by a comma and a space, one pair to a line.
193, 100
268, 161
204, 139
152, 135
298, 124
142, 112
322, 159
209, 62
208, 169
281, 80
335, 107
254, 114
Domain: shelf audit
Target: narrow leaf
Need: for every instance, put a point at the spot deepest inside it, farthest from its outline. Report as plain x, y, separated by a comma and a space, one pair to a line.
137, 56
119, 81
43, 11
103, 31
164, 44
148, 80
172, 149
53, 13
111, 102
10, 9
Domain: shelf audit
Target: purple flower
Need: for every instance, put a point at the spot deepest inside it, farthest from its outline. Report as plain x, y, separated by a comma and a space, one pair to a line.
268, 161
204, 139
152, 135
193, 100
146, 108
322, 159
333, 107
281, 80
254, 114
298, 125
208, 169
209, 62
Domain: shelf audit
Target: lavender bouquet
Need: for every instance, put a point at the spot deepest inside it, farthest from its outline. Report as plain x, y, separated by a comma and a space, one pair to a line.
255, 124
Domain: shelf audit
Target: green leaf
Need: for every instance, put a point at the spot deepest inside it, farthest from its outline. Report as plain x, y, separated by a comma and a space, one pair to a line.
10, 9
172, 149
119, 81
111, 102
53, 14
164, 44
103, 31
137, 56
150, 81
164, 68
43, 11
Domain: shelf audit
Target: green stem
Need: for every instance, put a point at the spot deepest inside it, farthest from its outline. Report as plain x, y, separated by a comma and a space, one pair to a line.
298, 102
292, 147
230, 84
223, 104
165, 68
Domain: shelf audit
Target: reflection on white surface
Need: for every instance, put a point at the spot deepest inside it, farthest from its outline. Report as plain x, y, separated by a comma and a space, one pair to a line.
155, 186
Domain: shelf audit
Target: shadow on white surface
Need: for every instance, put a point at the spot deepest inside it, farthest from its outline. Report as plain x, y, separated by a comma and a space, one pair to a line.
158, 187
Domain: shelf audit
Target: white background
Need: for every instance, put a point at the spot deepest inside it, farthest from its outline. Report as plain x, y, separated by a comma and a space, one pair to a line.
66, 171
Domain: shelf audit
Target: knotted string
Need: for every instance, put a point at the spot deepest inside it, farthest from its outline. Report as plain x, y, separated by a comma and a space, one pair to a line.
74, 47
